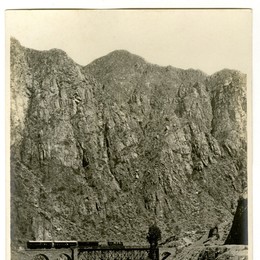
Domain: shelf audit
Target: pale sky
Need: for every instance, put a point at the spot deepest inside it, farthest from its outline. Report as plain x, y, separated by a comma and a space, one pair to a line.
209, 40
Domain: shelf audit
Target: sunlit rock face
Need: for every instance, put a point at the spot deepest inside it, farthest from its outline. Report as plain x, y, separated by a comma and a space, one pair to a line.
102, 151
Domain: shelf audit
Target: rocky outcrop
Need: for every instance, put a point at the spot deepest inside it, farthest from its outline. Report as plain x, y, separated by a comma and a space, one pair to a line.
102, 151
239, 231
214, 252
224, 253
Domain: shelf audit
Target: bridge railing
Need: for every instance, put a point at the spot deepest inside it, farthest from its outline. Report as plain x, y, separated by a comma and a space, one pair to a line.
113, 253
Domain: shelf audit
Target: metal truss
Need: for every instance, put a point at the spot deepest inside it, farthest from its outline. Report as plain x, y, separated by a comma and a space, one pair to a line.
114, 254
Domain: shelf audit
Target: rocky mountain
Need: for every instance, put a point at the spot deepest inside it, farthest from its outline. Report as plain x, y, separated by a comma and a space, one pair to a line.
101, 152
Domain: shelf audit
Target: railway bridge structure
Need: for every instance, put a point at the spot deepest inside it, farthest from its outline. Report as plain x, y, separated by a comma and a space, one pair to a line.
74, 253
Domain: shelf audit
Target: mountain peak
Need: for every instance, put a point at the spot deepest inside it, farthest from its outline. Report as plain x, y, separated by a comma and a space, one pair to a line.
120, 52
14, 41
118, 57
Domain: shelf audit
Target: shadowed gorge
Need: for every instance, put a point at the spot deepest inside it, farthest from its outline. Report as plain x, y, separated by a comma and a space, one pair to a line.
101, 152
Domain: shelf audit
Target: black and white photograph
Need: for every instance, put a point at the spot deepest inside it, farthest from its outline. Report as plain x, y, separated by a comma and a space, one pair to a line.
129, 134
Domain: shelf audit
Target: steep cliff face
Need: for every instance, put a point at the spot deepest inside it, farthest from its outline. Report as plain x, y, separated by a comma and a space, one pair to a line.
100, 152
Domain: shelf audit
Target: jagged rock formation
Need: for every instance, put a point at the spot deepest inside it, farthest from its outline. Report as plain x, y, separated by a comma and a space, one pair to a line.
102, 151
239, 231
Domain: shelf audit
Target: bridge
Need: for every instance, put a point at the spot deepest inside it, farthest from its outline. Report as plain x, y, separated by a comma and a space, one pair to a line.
114, 254
101, 253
